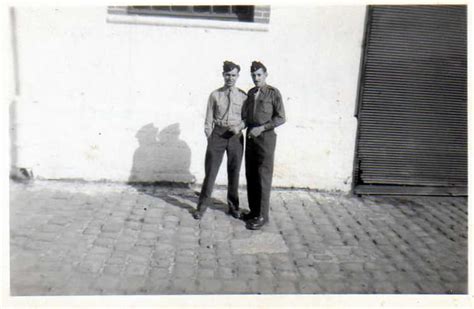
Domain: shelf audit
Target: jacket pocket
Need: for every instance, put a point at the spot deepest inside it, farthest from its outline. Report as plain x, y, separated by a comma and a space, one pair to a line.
267, 106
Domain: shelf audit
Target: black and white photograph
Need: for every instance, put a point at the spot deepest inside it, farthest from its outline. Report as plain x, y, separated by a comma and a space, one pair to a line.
237, 153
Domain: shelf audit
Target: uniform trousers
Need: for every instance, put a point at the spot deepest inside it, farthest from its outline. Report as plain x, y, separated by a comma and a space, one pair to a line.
259, 157
220, 141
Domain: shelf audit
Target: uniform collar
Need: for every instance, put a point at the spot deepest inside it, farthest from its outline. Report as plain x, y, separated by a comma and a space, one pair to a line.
231, 89
263, 89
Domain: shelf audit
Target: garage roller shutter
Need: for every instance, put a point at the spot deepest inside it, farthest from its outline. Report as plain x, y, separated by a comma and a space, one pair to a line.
413, 101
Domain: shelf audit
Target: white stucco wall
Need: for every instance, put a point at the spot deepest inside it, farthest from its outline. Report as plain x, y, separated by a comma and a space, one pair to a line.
91, 90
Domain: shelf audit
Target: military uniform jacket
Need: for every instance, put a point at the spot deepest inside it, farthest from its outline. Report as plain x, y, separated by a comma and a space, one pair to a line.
267, 109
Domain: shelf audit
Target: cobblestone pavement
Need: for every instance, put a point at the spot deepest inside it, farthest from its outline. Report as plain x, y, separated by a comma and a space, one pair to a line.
82, 238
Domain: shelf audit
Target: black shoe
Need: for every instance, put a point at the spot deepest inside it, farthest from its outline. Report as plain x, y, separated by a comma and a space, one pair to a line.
234, 212
256, 223
198, 213
247, 216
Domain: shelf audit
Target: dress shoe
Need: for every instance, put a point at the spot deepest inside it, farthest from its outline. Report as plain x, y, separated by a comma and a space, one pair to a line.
234, 212
247, 216
198, 213
256, 224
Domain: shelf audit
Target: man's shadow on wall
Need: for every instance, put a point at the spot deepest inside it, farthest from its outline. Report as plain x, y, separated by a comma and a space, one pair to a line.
161, 167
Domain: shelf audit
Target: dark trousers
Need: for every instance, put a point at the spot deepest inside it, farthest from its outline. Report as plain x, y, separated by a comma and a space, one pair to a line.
259, 157
219, 142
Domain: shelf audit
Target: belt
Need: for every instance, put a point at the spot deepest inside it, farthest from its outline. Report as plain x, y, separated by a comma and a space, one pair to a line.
220, 126
250, 126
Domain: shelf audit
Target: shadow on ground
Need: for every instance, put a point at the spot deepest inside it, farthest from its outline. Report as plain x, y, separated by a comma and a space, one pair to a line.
179, 195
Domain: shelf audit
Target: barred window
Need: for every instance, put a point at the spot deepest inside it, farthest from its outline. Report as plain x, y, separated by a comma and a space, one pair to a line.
242, 13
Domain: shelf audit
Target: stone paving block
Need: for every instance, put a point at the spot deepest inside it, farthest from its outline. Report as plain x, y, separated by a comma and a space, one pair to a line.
155, 286
90, 266
48, 265
139, 250
225, 262
304, 262
163, 247
137, 259
148, 235
107, 284
333, 286
187, 253
352, 267
407, 287
112, 269
384, 287
51, 228
250, 268
210, 264
112, 227
184, 271
150, 225
136, 269
161, 262
104, 242
449, 276
45, 236
124, 246
359, 288
136, 226
432, 287
24, 262
287, 275
456, 288
25, 283
81, 285
341, 250
234, 286
286, 287
263, 261
261, 286
100, 251
146, 242
266, 274
132, 285
206, 273
160, 272
209, 286
327, 267
309, 273
31, 284
180, 286
225, 272
306, 286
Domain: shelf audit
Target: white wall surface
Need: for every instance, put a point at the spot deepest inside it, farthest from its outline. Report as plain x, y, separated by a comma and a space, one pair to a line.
107, 101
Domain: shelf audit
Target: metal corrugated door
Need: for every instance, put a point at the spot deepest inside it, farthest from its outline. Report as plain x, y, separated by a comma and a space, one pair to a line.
412, 134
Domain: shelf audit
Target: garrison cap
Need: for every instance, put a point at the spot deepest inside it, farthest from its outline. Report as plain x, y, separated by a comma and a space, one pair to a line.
257, 65
229, 66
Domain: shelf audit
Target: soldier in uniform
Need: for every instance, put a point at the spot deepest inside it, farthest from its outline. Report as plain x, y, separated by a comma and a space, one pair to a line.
223, 126
262, 112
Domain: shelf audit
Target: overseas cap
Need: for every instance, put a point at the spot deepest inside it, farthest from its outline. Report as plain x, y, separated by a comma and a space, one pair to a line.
257, 65
229, 66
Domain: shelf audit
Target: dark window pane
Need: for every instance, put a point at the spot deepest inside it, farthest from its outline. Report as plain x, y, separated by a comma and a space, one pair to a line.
202, 8
180, 8
241, 9
243, 12
161, 8
140, 7
221, 9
